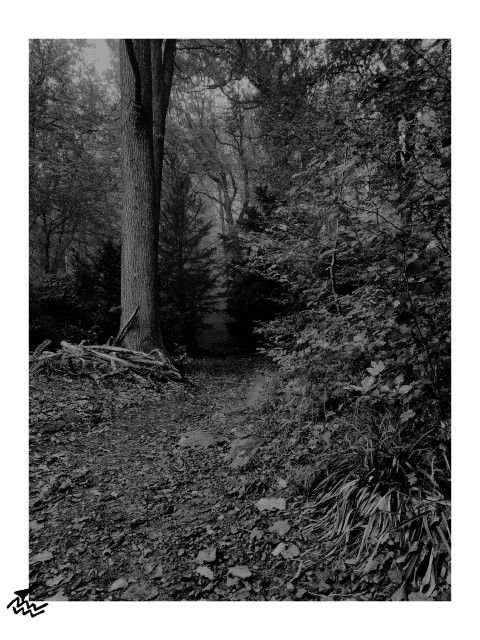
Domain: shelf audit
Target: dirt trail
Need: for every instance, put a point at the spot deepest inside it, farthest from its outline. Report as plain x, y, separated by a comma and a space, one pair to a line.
144, 502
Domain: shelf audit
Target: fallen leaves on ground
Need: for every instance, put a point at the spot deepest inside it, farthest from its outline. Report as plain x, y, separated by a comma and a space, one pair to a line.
133, 495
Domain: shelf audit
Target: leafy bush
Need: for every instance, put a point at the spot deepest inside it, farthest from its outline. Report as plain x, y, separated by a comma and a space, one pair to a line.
253, 295
85, 306
361, 245
53, 311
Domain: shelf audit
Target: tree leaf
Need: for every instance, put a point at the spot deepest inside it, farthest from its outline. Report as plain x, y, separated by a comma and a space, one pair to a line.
400, 594
54, 581
406, 415
59, 597
240, 461
256, 533
205, 572
372, 565
281, 527
396, 576
232, 582
140, 591
417, 596
290, 552
207, 555
120, 583
41, 557
359, 337
240, 571
405, 388
270, 504
367, 383
376, 368
199, 438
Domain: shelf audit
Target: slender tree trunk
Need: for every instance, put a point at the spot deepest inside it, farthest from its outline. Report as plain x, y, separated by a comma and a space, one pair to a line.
246, 200
162, 75
46, 245
407, 146
46, 254
139, 215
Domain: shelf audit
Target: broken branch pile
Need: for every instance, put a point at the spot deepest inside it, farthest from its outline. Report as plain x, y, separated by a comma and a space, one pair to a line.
102, 361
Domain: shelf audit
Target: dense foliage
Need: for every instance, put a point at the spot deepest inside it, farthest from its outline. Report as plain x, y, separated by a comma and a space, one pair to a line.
84, 305
361, 240
73, 155
253, 296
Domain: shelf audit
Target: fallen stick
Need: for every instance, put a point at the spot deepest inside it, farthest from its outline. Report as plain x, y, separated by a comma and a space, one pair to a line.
41, 347
155, 363
123, 331
105, 347
125, 363
74, 348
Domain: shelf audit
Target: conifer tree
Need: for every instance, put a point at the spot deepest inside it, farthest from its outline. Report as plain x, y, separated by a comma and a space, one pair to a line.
187, 263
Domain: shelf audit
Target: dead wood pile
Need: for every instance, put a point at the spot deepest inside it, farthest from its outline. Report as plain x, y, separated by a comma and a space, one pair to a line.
102, 361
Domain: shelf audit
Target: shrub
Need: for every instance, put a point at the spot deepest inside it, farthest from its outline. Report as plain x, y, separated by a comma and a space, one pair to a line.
53, 311
85, 306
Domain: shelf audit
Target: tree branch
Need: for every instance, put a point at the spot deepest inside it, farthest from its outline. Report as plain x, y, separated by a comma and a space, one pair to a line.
136, 73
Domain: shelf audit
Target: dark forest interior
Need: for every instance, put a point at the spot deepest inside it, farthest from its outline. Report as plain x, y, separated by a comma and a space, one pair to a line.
240, 320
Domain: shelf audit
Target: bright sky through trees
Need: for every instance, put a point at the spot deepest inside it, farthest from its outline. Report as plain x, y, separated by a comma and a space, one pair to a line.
98, 54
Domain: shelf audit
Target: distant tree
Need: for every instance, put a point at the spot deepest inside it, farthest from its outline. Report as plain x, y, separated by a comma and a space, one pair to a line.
216, 131
187, 261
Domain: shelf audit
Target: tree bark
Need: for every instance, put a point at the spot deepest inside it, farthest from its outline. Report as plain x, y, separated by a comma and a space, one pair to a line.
139, 281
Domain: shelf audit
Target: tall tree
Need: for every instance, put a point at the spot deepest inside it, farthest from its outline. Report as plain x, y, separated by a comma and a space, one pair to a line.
72, 154
145, 79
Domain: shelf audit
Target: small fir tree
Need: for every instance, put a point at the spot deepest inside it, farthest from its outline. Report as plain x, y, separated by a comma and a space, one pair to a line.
187, 263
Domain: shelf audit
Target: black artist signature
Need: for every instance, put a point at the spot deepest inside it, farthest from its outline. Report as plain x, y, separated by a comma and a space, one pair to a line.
21, 605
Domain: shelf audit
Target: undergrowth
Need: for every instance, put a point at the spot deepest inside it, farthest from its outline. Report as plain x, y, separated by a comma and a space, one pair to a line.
378, 489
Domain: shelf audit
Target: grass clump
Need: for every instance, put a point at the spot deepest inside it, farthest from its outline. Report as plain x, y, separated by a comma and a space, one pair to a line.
383, 491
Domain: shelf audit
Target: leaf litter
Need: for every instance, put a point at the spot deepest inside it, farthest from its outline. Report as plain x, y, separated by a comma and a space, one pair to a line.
119, 485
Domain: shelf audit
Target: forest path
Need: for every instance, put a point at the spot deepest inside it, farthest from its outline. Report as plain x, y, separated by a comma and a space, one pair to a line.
137, 495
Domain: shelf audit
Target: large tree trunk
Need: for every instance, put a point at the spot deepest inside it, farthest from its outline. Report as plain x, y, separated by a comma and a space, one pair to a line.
139, 215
